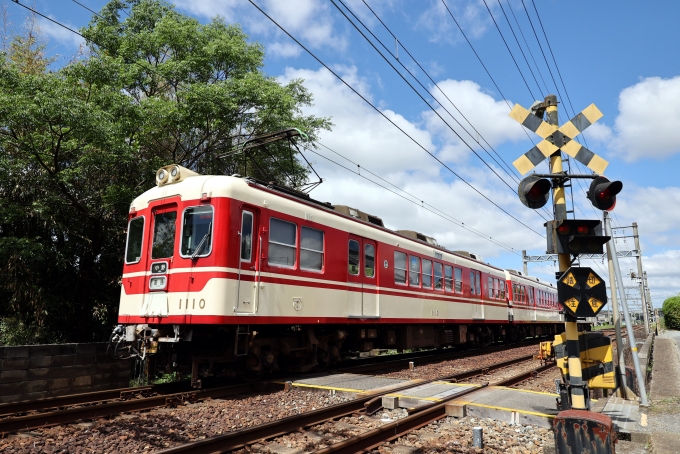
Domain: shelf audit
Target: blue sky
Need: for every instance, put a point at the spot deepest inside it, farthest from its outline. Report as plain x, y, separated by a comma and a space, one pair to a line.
617, 55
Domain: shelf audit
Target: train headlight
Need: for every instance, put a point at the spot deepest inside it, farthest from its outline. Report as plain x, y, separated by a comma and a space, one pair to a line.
174, 173
161, 177
158, 283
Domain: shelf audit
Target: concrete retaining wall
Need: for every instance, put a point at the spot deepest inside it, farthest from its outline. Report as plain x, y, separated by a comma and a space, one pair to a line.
36, 371
644, 353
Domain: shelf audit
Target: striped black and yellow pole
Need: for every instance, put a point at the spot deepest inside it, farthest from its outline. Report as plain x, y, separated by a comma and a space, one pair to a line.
578, 400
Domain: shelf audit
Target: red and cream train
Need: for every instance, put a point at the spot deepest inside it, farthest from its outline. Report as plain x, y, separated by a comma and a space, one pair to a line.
228, 274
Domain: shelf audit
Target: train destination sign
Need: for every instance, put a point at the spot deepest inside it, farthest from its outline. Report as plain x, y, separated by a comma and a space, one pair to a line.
582, 292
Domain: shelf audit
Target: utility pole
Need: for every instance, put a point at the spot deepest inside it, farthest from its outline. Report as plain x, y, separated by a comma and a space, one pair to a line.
626, 315
645, 309
648, 295
617, 317
525, 265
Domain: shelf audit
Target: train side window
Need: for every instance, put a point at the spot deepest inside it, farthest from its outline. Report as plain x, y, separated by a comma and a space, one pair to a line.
414, 271
369, 260
496, 289
427, 273
311, 249
164, 235
282, 243
135, 235
399, 268
458, 279
515, 296
354, 259
531, 295
246, 236
438, 278
448, 277
478, 282
472, 282
489, 284
522, 297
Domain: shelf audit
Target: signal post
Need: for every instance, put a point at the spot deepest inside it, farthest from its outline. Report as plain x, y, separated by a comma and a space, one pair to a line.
581, 291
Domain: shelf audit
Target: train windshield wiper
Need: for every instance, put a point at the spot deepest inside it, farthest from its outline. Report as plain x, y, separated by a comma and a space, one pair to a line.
202, 243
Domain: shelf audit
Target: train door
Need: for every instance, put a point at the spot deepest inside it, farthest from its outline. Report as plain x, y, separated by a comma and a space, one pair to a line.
476, 292
160, 261
362, 295
532, 303
509, 295
248, 273
370, 299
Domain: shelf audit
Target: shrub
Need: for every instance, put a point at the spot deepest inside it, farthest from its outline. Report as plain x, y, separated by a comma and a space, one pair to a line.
671, 312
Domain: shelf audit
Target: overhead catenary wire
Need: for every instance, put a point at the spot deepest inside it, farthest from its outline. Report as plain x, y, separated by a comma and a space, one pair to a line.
355, 91
413, 199
507, 19
538, 68
401, 44
418, 93
508, 48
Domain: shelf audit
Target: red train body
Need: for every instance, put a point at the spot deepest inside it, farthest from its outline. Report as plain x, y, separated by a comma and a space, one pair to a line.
231, 275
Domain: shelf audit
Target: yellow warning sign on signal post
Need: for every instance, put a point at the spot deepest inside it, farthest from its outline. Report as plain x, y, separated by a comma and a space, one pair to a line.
582, 292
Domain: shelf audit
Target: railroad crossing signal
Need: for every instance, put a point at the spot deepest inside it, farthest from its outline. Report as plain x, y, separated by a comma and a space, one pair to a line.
534, 192
555, 138
582, 292
602, 193
575, 237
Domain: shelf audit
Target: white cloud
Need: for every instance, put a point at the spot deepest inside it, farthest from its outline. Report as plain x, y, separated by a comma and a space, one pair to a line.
308, 20
367, 139
60, 34
662, 275
471, 15
647, 124
489, 117
654, 210
284, 50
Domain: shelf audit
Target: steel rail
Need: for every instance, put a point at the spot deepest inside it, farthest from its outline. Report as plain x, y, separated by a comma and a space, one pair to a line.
430, 357
372, 364
421, 418
13, 424
248, 436
396, 429
90, 398
523, 376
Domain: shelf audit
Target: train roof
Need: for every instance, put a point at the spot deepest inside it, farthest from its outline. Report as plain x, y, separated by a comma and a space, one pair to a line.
194, 186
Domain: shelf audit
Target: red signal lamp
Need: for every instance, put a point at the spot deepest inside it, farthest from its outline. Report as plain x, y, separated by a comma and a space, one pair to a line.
602, 193
582, 230
575, 237
564, 229
534, 192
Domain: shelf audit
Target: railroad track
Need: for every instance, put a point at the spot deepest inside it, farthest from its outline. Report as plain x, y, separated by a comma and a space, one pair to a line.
67, 409
366, 405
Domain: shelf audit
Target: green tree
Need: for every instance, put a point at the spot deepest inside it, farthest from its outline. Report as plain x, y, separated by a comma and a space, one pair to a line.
78, 144
671, 312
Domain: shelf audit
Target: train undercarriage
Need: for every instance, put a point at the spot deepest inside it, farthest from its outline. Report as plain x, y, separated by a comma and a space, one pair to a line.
252, 351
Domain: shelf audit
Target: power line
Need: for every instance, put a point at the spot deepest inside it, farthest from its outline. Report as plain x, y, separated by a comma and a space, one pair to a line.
512, 174
520, 46
508, 47
528, 47
485, 68
418, 93
388, 119
551, 53
414, 199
